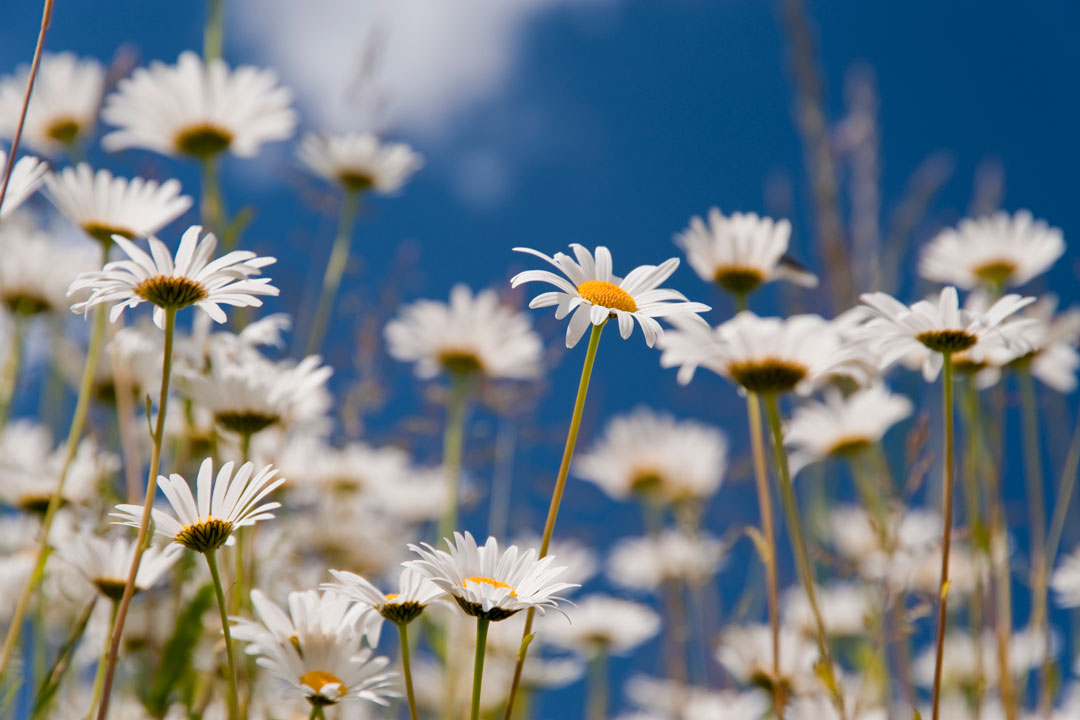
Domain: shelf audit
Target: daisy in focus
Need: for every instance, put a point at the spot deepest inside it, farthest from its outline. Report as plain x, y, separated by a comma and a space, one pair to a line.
415, 593
741, 251
67, 93
594, 295
360, 162
104, 205
105, 563
995, 252
26, 177
191, 279
198, 110
472, 334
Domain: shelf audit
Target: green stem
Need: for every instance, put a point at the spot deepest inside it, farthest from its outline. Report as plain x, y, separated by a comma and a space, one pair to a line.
144, 525
213, 209
979, 538
9, 378
868, 493
78, 420
234, 675
478, 665
406, 668
214, 31
99, 674
947, 503
453, 447
316, 713
596, 704
556, 498
335, 268
243, 542
798, 547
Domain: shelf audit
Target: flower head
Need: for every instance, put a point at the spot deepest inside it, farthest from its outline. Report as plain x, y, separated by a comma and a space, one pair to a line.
645, 563
359, 162
192, 279
604, 623
741, 251
488, 583
415, 592
198, 109
67, 93
746, 651
26, 176
206, 521
38, 267
105, 563
594, 295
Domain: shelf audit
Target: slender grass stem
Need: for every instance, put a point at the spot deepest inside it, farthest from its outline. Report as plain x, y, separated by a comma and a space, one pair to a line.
234, 673
596, 702
99, 673
335, 268
406, 668
478, 665
946, 539
144, 525
453, 448
556, 499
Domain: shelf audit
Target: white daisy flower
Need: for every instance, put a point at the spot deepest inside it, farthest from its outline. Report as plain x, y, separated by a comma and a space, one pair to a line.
1052, 340
764, 355
206, 521
315, 467
316, 649
67, 93
645, 563
415, 593
198, 110
103, 205
928, 330
26, 176
666, 699
746, 652
842, 426
594, 295
819, 707
963, 665
1065, 581
38, 267
846, 609
654, 454
470, 334
360, 162
604, 623
741, 251
105, 563
487, 583
192, 279
996, 251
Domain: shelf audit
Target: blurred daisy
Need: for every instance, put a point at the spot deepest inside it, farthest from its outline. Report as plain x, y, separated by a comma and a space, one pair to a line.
67, 93
206, 521
741, 251
488, 583
38, 268
26, 176
819, 707
846, 609
30, 468
842, 426
666, 699
315, 650
1052, 339
359, 161
192, 279
1065, 581
471, 334
594, 295
415, 593
746, 652
763, 355
929, 330
103, 205
198, 110
105, 563
655, 455
964, 667
644, 563
600, 623
996, 251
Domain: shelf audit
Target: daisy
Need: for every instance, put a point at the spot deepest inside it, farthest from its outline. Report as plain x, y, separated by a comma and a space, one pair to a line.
842, 426
415, 593
595, 295
472, 334
105, 563
103, 205
763, 355
741, 251
997, 251
38, 267
931, 330
206, 521
315, 650
198, 110
604, 624
655, 455
846, 608
746, 652
645, 563
360, 162
487, 583
67, 93
1052, 340
666, 699
26, 176
192, 279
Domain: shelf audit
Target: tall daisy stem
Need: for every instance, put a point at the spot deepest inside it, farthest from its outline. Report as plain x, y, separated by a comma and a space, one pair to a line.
335, 268
980, 538
453, 447
946, 540
478, 665
144, 526
99, 674
798, 547
9, 378
214, 32
316, 713
213, 211
556, 500
406, 668
78, 420
234, 675
596, 703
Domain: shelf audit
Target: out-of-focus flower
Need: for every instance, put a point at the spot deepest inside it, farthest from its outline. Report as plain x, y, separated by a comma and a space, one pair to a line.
67, 93
741, 251
37, 268
360, 162
964, 668
664, 699
746, 651
644, 563
198, 110
845, 607
1066, 581
415, 592
594, 295
1052, 339
26, 177
996, 251
600, 623
105, 563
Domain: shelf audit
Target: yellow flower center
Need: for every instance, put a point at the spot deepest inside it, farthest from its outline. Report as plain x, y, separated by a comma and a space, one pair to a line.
103, 232
492, 582
317, 680
202, 141
168, 291
995, 272
205, 535
63, 130
609, 295
391, 597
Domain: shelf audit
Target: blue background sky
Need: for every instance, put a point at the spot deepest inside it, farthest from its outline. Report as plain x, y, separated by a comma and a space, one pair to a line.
612, 123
